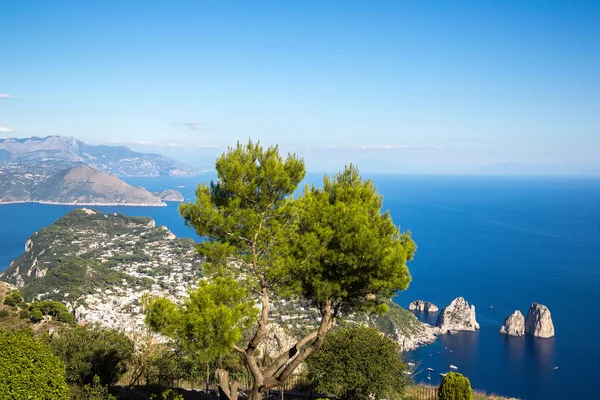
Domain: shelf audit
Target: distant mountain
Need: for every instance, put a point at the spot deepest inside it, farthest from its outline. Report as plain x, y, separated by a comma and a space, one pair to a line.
117, 160
51, 182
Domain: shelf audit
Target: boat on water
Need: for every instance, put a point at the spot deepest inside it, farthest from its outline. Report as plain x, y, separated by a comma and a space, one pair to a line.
453, 366
181, 186
442, 374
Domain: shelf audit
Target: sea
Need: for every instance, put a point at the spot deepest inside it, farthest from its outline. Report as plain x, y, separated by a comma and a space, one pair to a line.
499, 242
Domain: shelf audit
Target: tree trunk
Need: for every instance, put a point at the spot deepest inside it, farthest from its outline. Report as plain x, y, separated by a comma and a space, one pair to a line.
227, 390
255, 394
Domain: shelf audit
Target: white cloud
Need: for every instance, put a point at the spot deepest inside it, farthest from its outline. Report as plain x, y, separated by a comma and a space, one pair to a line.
195, 126
149, 143
4, 129
370, 147
5, 96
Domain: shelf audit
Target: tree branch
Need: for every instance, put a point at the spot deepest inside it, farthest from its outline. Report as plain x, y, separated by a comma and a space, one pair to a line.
239, 349
326, 324
287, 355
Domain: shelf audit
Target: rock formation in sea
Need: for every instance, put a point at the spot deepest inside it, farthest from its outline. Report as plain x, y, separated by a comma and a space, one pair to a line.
539, 321
420, 305
458, 316
514, 325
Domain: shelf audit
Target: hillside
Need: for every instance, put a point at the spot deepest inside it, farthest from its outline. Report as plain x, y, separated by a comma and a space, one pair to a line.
81, 184
102, 264
116, 160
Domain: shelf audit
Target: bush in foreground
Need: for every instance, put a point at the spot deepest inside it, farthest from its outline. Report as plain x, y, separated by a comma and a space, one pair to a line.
90, 351
29, 370
455, 386
358, 363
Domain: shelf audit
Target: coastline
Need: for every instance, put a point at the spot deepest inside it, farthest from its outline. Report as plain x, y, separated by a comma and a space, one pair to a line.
162, 204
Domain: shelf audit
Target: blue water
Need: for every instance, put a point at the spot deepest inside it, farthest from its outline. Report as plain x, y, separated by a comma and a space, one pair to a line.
499, 242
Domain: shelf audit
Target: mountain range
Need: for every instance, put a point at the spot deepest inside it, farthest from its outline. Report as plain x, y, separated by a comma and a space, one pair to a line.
116, 160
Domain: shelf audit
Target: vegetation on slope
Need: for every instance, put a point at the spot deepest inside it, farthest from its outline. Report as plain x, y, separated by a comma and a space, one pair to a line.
86, 251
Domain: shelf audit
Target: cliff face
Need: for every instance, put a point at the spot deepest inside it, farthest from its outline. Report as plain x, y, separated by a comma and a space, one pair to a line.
425, 306
74, 185
458, 316
402, 326
514, 325
539, 321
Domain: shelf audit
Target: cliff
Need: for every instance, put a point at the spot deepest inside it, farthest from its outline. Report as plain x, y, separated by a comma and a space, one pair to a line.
457, 316
425, 306
514, 325
539, 321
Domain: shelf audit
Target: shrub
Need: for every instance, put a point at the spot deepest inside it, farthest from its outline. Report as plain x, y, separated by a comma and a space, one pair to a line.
4, 313
358, 363
455, 386
36, 316
66, 317
93, 391
29, 370
92, 350
49, 307
168, 394
13, 298
24, 314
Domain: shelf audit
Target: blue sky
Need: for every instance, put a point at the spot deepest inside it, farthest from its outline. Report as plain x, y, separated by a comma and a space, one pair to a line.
394, 86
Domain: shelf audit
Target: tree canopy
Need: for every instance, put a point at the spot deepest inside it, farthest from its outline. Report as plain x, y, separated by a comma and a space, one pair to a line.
351, 254
333, 247
210, 322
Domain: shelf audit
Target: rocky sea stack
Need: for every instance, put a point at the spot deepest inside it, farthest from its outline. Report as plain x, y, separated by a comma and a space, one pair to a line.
539, 321
458, 316
420, 305
514, 325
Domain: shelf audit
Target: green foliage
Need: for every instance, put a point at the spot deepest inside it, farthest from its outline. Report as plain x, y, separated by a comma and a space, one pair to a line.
352, 254
13, 298
357, 363
36, 316
248, 213
168, 394
24, 314
395, 319
4, 313
49, 307
455, 386
92, 350
66, 317
93, 391
77, 277
29, 370
209, 322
